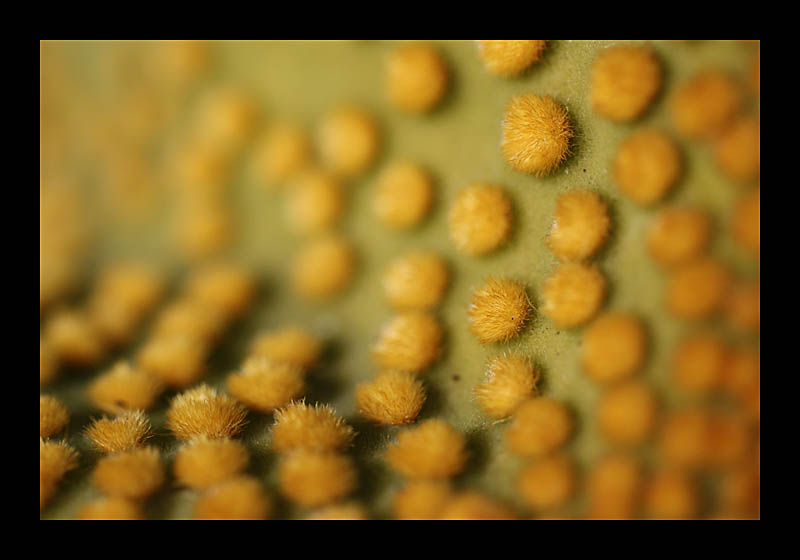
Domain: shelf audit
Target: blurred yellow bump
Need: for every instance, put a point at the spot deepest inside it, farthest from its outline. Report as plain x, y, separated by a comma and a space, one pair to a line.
498, 310
203, 463
421, 499
112, 319
539, 426
314, 202
547, 483
573, 294
509, 58
536, 134
624, 81
184, 60
226, 118
745, 222
126, 432
73, 338
473, 505
742, 378
684, 436
203, 412
480, 219
678, 234
626, 413
671, 494
416, 78
189, 317
240, 498
415, 280
613, 347
229, 287
647, 166
740, 489
349, 140
48, 362
392, 398
698, 363
303, 427
613, 488
203, 229
264, 385
430, 450
199, 169
323, 267
737, 151
111, 509
346, 511
730, 440
292, 345
510, 380
580, 225
139, 286
743, 306
410, 341
124, 387
55, 460
403, 195
697, 290
314, 479
176, 360
132, 475
281, 152
705, 104
53, 416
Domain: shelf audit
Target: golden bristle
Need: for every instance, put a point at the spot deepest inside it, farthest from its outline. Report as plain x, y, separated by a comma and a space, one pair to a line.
53, 416
203, 412
392, 398
430, 450
124, 387
123, 433
498, 310
536, 134
203, 463
410, 341
510, 380
300, 426
265, 385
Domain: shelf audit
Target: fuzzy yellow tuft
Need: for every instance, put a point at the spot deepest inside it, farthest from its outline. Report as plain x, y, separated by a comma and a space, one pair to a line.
480, 219
416, 78
55, 460
415, 280
292, 345
302, 427
698, 363
176, 360
548, 483
472, 505
228, 287
678, 235
539, 426
510, 380
312, 479
411, 341
580, 225
123, 433
124, 387
323, 268
573, 294
403, 195
613, 488
498, 310
421, 499
743, 305
73, 338
347, 511
203, 412
737, 152
705, 104
264, 385
625, 79
626, 413
53, 416
204, 463
509, 58
647, 166
284, 150
132, 475
314, 202
697, 290
745, 222
671, 494
394, 398
536, 134
111, 509
430, 450
613, 347
238, 498
349, 140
